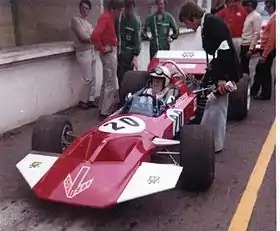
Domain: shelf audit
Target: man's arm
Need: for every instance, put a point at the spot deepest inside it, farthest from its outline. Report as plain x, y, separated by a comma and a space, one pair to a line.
256, 34
271, 43
96, 34
117, 22
145, 29
137, 37
174, 27
82, 36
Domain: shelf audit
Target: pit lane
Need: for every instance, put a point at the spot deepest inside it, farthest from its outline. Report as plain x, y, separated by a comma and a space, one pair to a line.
173, 210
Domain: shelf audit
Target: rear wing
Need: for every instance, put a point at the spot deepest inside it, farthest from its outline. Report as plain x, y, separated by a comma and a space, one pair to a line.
190, 56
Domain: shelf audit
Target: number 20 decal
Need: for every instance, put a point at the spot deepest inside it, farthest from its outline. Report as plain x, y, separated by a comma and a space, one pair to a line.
124, 125
177, 116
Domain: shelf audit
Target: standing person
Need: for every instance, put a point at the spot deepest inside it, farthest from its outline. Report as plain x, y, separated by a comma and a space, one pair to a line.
85, 54
216, 41
159, 24
128, 29
221, 4
105, 40
250, 34
234, 16
263, 78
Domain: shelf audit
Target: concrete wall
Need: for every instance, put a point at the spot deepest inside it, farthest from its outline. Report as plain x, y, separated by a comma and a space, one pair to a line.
6, 25
49, 20
24, 22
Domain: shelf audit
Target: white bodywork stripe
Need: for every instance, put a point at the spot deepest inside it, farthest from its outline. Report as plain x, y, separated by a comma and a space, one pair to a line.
151, 178
187, 65
33, 167
181, 54
164, 142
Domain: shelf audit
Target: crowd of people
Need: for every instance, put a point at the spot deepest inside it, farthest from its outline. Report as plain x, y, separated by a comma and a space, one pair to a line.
117, 37
229, 33
245, 25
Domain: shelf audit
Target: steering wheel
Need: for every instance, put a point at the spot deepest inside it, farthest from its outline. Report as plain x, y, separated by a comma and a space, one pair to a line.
151, 96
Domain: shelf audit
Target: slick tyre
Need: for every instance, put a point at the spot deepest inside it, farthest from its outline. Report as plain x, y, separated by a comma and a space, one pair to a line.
50, 134
132, 81
240, 100
197, 158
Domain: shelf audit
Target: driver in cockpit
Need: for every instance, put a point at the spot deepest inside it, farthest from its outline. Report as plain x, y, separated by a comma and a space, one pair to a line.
159, 82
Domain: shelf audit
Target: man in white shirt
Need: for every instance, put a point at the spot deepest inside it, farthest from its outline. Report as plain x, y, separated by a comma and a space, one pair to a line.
85, 54
250, 34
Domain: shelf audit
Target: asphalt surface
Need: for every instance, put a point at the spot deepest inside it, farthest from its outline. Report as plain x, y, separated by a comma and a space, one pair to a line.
20, 210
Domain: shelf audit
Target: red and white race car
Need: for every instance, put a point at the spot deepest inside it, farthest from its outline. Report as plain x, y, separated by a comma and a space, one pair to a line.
122, 157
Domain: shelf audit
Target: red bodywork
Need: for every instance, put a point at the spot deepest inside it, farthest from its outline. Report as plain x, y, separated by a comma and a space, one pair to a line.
111, 158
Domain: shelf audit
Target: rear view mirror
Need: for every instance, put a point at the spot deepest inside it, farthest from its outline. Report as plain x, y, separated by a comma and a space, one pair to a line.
170, 100
128, 96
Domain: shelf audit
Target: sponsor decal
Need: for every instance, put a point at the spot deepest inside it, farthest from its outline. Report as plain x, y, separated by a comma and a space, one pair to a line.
35, 164
153, 180
177, 116
78, 184
188, 54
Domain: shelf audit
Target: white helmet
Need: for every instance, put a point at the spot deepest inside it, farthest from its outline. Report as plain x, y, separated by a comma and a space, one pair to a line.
161, 72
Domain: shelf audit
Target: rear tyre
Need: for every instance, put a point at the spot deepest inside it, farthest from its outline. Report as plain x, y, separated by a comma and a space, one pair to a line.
240, 100
50, 134
197, 158
132, 81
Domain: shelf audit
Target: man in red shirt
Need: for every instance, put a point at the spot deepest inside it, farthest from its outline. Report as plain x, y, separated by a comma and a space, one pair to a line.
234, 16
105, 41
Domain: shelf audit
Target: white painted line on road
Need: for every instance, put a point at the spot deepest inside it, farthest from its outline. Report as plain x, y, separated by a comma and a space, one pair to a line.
243, 213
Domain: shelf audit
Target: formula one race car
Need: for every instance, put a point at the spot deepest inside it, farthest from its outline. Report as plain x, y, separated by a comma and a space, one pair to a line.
123, 157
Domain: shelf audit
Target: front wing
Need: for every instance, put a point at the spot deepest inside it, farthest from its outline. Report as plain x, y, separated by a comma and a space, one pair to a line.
149, 178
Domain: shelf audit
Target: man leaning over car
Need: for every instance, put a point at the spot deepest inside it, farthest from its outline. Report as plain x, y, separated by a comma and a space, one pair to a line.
216, 41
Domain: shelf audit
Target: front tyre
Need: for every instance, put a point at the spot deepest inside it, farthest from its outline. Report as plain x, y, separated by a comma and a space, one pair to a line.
50, 134
197, 158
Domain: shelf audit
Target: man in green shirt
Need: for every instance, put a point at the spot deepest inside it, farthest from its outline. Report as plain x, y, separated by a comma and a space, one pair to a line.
128, 31
159, 24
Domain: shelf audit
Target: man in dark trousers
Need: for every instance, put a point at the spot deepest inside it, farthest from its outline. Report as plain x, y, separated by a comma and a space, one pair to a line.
159, 24
128, 29
224, 67
263, 78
